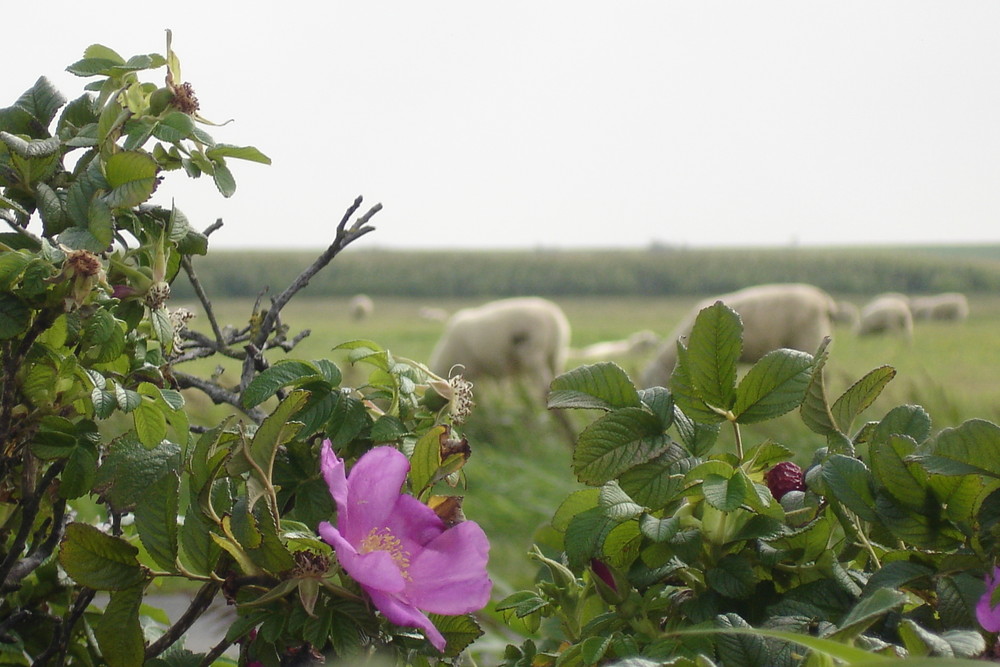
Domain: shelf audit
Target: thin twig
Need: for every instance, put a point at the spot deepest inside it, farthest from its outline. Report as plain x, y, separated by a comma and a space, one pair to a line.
199, 604
29, 510
199, 290
219, 395
41, 553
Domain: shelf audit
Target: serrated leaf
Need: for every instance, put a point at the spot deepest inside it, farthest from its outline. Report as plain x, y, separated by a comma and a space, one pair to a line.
150, 423
732, 576
175, 126
459, 631
686, 397
602, 386
867, 611
224, 180
969, 448
575, 503
860, 395
277, 429
616, 442
848, 480
128, 470
132, 178
617, 504
31, 149
99, 561
585, 536
660, 481
239, 152
119, 632
728, 493
714, 348
906, 482
776, 384
156, 520
282, 374
42, 101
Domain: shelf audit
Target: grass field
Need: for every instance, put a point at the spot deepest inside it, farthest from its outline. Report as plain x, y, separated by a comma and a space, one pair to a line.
520, 468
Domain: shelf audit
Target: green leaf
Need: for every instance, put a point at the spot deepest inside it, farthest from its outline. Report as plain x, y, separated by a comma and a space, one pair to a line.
224, 180
616, 442
867, 611
969, 448
14, 316
776, 384
860, 395
118, 631
50, 208
745, 649
80, 472
617, 504
848, 480
42, 101
129, 470
905, 481
132, 178
30, 149
732, 576
714, 348
99, 561
276, 430
575, 503
686, 396
815, 409
282, 374
175, 126
585, 536
658, 482
727, 494
156, 520
238, 152
459, 631
426, 459
12, 266
150, 423
907, 420
602, 386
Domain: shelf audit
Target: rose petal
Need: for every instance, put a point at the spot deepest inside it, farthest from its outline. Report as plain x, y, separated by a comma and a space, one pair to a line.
414, 523
402, 613
449, 575
988, 615
332, 468
375, 570
372, 491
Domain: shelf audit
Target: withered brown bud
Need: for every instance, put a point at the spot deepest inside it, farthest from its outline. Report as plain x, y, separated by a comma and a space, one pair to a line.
451, 445
84, 263
184, 99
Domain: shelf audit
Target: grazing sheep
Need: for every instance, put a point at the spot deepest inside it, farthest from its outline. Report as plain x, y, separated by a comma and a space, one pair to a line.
792, 315
847, 315
524, 337
360, 306
638, 343
947, 307
886, 314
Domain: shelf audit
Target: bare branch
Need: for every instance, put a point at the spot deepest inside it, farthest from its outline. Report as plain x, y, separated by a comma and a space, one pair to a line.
202, 296
214, 227
199, 605
219, 395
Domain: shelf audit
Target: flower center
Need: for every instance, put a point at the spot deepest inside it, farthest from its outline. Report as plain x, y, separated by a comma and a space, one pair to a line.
382, 539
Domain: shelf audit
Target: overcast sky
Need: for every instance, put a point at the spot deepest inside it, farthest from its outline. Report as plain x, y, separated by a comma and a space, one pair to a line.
573, 123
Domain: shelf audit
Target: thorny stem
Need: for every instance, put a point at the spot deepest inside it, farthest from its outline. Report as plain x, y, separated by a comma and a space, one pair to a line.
199, 604
739, 440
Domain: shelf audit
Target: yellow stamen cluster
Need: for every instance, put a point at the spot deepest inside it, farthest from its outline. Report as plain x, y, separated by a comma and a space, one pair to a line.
382, 539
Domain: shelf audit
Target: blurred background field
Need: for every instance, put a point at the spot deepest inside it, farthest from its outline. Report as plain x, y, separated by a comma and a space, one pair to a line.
520, 470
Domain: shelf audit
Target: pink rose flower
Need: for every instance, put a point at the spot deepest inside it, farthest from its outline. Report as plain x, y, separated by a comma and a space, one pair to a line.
397, 548
988, 615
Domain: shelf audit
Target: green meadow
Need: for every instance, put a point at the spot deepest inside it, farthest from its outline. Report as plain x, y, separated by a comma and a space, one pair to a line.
520, 469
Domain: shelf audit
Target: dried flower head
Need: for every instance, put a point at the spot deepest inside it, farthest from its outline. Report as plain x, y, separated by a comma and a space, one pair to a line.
157, 295
178, 320
84, 263
461, 401
184, 99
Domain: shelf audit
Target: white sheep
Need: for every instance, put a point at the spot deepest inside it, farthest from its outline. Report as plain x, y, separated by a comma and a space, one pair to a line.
637, 344
947, 307
886, 314
847, 315
525, 337
783, 315
360, 306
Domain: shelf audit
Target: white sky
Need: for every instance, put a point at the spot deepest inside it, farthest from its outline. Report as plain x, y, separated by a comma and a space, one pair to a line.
572, 123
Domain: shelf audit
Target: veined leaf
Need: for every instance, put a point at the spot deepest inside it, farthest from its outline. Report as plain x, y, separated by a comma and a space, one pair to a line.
156, 520
132, 178
714, 348
616, 442
603, 386
849, 481
238, 152
282, 374
118, 631
776, 384
860, 395
99, 561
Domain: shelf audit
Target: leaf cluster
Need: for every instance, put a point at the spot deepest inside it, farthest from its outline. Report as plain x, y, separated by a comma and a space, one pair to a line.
677, 551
